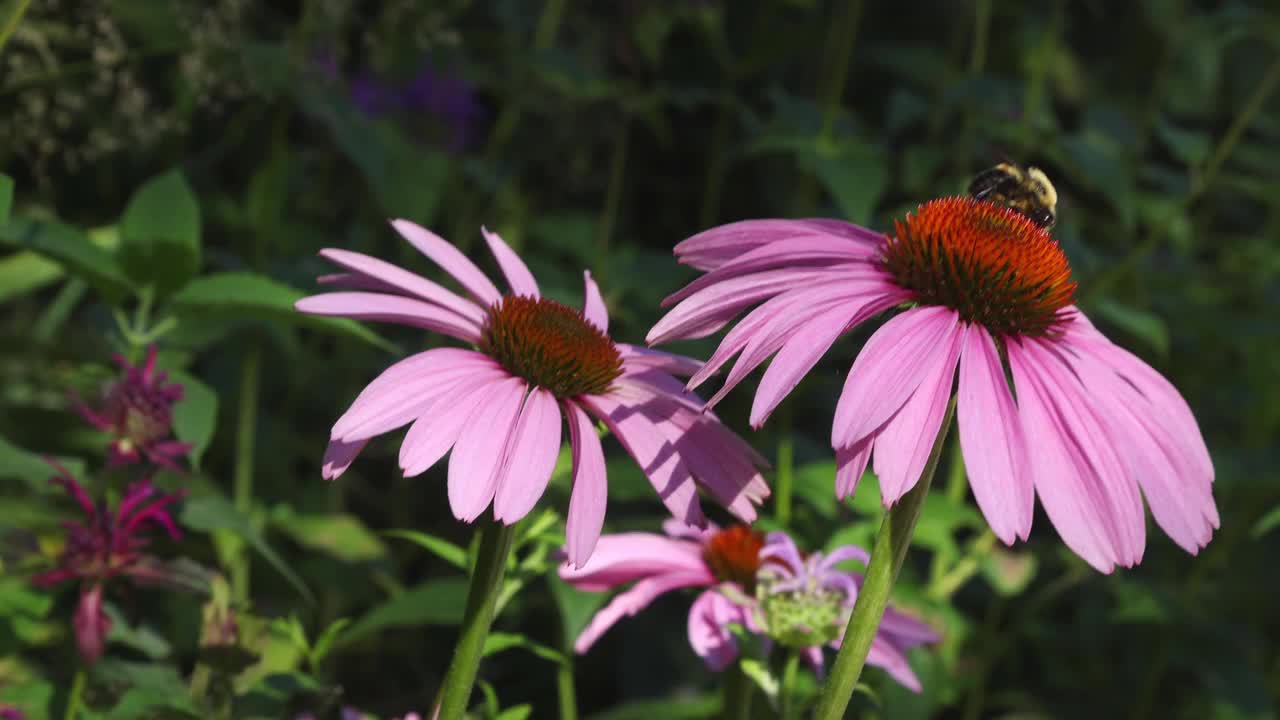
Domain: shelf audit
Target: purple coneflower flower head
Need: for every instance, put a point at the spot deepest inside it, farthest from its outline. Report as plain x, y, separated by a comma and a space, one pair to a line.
137, 411
499, 404
983, 293
105, 545
747, 582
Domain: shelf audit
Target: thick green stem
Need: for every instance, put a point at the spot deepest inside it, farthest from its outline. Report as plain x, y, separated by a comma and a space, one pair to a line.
246, 434
786, 467
566, 692
73, 699
738, 689
789, 708
482, 597
887, 554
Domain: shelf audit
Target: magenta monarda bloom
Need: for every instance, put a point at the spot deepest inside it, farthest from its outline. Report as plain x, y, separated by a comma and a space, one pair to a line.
1046, 404
137, 411
764, 587
106, 545
499, 405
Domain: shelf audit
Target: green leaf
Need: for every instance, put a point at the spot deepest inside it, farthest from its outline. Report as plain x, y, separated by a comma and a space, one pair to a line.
855, 175
684, 708
327, 638
341, 535
516, 712
160, 233
32, 467
137, 637
1267, 523
576, 607
814, 483
195, 416
24, 272
6, 197
760, 675
435, 602
496, 642
213, 512
442, 549
246, 294
1141, 324
73, 250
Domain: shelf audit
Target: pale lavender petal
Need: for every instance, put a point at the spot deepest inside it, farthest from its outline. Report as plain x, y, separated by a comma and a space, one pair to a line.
678, 530
886, 656
780, 548
401, 280
535, 443
481, 450
711, 248
640, 359
632, 601
903, 445
378, 307
593, 307
709, 619
812, 656
627, 557
356, 281
902, 353
851, 463
434, 433
338, 457
843, 554
906, 631
995, 450
590, 487
451, 260
518, 276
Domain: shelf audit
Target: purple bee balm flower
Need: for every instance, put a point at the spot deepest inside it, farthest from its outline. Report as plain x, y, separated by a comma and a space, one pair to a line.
1046, 404
11, 713
103, 546
763, 585
137, 412
499, 405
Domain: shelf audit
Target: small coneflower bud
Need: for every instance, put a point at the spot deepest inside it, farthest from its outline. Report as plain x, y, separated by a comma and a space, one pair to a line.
551, 345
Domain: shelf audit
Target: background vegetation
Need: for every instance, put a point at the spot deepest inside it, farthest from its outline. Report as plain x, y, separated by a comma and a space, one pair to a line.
186, 160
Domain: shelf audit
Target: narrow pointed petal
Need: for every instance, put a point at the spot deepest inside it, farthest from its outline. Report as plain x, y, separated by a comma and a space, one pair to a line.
623, 558
709, 619
590, 487
996, 456
401, 280
712, 248
339, 456
892, 660
397, 309
534, 447
593, 307
434, 433
641, 359
890, 367
477, 458
451, 260
632, 601
519, 279
851, 463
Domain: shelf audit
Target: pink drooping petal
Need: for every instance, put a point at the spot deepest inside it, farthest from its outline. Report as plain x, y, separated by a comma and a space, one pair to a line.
397, 309
851, 463
67, 481
657, 381
532, 456
903, 445
712, 248
91, 625
590, 493
481, 450
841, 554
339, 456
679, 531
403, 281
593, 307
517, 273
640, 359
709, 619
995, 450
657, 457
906, 631
888, 657
434, 433
632, 601
627, 557
1080, 493
451, 260
402, 391
808, 344
901, 354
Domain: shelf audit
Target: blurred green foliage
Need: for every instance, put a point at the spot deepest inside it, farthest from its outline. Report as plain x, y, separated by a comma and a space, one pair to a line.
172, 168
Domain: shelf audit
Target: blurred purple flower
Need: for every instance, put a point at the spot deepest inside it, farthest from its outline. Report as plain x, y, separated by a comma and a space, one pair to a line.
137, 411
11, 713
441, 94
106, 545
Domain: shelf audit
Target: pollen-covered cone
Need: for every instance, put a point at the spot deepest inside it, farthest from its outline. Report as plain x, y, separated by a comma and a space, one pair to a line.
1046, 404
532, 365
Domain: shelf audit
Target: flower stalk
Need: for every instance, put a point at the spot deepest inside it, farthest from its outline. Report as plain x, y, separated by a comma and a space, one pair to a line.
738, 689
790, 708
887, 555
496, 539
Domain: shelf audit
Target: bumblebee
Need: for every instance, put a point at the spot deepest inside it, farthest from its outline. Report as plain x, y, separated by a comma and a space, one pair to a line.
1024, 190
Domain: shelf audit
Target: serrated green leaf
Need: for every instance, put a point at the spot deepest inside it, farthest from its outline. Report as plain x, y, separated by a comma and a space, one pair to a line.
442, 549
195, 416
71, 249
262, 298
160, 233
212, 512
435, 602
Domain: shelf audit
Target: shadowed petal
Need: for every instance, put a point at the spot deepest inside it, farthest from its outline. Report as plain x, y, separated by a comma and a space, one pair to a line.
590, 489
709, 619
593, 307
451, 260
396, 309
401, 280
339, 456
477, 458
434, 433
632, 601
851, 463
637, 359
626, 557
532, 456
886, 656
518, 276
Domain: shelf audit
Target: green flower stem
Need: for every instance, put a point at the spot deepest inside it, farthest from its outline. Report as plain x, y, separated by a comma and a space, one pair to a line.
738, 689
789, 671
73, 699
786, 467
242, 489
887, 554
16, 11
482, 598
566, 692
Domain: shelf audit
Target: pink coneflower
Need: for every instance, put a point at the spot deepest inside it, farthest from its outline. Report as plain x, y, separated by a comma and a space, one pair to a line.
137, 411
763, 585
499, 406
106, 545
1046, 404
